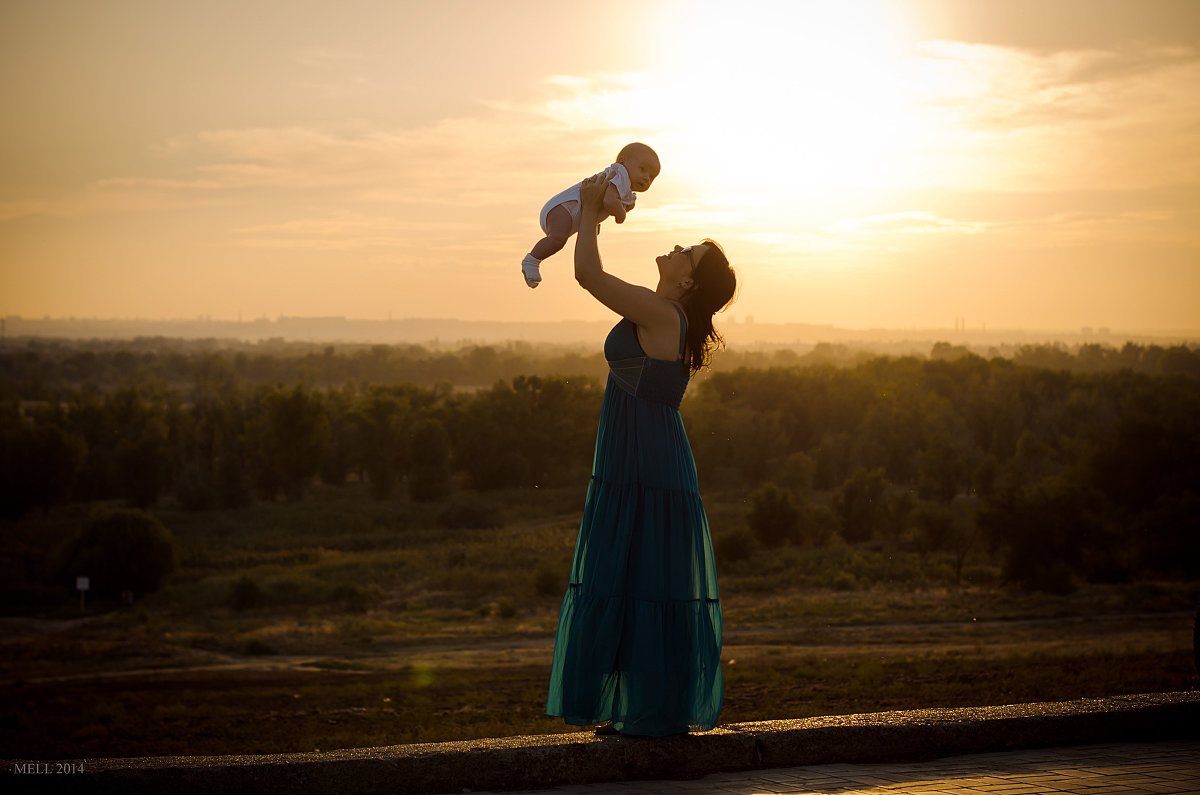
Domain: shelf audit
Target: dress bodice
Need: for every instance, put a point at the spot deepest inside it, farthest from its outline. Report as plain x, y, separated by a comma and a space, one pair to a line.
642, 376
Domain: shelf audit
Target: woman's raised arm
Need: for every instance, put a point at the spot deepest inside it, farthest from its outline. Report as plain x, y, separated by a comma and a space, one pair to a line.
640, 304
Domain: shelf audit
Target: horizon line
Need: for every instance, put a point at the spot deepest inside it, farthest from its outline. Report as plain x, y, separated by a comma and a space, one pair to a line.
959, 329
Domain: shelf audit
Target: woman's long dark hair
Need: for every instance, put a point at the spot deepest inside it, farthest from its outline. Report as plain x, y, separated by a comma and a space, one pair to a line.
714, 285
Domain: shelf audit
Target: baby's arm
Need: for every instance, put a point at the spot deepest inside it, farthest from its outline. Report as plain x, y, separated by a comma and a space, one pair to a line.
613, 205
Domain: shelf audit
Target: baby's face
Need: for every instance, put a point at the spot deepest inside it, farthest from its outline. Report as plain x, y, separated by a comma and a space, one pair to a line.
642, 171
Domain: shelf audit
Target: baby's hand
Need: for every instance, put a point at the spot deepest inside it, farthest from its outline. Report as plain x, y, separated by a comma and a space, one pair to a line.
613, 205
592, 192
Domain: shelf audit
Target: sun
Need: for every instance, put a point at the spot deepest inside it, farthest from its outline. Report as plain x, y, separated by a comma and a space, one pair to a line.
785, 101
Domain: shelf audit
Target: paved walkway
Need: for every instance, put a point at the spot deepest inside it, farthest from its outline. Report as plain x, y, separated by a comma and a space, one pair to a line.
1158, 767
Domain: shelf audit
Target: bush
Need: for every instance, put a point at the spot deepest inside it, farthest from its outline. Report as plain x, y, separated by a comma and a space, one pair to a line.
245, 594
258, 648
818, 525
296, 588
195, 490
935, 526
353, 598
548, 581
774, 516
468, 512
794, 471
737, 544
119, 550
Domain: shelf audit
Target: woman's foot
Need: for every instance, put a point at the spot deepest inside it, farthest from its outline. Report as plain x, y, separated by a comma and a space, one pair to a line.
606, 728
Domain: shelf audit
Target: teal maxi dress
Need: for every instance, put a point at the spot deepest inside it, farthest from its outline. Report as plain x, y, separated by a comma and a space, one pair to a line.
639, 633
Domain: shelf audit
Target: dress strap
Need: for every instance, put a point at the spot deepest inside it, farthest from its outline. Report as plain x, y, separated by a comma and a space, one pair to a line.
682, 330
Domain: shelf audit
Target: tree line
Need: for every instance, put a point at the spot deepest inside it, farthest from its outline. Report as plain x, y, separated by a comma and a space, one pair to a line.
1088, 474
47, 369
1093, 475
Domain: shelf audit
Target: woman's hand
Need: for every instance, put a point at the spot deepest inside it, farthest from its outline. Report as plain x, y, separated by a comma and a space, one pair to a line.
591, 195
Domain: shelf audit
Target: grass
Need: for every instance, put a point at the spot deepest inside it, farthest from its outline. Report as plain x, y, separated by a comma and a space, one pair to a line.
338, 706
366, 624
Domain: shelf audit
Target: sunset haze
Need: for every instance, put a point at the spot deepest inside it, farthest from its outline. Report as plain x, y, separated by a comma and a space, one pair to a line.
1024, 165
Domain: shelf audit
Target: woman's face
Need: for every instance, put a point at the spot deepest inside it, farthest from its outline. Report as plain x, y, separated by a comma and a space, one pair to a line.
680, 263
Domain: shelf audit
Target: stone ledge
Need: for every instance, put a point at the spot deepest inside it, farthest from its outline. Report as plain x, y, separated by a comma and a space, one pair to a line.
578, 758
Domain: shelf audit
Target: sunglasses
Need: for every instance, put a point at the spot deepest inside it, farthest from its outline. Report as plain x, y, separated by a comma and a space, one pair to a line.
688, 251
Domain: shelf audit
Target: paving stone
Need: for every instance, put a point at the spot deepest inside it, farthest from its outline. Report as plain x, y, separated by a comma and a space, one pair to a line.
1081, 770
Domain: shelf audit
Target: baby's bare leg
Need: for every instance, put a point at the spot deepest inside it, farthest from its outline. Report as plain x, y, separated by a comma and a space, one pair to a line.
558, 229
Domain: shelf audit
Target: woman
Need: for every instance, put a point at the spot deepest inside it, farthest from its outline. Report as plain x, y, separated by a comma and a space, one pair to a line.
638, 646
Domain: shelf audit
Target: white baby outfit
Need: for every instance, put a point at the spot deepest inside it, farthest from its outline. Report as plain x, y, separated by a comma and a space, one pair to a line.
569, 198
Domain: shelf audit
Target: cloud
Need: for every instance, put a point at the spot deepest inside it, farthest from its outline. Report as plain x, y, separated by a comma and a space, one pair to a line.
333, 74
1098, 119
324, 57
11, 211
340, 230
974, 119
908, 222
460, 162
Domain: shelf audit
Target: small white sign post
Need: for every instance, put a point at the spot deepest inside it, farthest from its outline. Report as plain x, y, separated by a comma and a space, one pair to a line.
82, 584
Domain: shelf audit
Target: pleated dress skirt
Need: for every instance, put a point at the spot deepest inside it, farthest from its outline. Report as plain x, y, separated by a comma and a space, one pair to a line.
639, 634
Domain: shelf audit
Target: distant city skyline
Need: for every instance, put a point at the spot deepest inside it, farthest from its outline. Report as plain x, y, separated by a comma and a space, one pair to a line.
1031, 164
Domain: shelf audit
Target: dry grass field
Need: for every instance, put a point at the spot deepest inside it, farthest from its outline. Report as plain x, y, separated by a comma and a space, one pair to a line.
367, 625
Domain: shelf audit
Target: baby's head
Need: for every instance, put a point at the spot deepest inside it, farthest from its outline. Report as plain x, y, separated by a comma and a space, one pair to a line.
642, 164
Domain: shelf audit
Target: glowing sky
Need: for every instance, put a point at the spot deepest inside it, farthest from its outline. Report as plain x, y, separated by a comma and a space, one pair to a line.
1024, 164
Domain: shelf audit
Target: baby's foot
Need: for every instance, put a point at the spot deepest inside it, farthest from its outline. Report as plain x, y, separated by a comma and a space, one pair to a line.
531, 271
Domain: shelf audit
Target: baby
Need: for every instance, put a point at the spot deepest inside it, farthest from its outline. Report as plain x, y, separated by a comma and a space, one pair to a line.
636, 167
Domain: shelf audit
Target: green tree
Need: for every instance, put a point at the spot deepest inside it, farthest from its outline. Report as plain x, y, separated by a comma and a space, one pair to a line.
379, 421
338, 455
487, 438
859, 504
144, 463
139, 449
212, 439
119, 550
935, 526
899, 508
818, 525
948, 527
1044, 530
794, 471
1031, 462
774, 515
39, 461
289, 438
943, 470
429, 462
834, 459
89, 418
1168, 536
